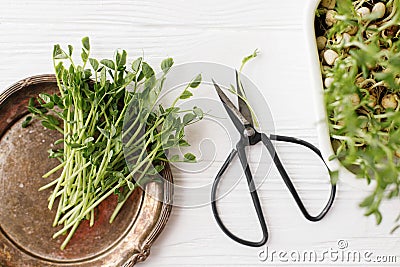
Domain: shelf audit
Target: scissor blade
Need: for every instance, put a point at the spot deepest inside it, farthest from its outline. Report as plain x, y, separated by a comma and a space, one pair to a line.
243, 107
237, 118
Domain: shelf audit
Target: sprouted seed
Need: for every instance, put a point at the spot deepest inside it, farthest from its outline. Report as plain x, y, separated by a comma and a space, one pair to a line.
361, 72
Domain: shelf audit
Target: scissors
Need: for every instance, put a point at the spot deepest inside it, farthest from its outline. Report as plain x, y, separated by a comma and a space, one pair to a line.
249, 136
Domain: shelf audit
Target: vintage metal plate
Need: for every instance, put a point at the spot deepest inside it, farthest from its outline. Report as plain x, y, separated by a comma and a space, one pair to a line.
25, 222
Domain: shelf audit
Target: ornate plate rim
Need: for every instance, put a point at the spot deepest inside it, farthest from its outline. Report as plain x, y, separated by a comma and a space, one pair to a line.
140, 250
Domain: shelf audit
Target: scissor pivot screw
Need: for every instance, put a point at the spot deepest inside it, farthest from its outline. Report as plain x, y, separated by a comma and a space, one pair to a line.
249, 132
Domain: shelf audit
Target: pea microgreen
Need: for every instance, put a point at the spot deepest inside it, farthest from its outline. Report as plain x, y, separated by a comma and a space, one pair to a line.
90, 110
359, 52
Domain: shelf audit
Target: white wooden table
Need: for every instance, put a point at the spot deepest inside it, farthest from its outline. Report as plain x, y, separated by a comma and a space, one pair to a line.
220, 31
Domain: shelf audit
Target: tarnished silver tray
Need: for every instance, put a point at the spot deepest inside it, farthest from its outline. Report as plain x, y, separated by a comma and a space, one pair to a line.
25, 222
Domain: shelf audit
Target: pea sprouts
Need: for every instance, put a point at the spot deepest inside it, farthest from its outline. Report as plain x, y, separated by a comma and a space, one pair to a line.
90, 110
360, 63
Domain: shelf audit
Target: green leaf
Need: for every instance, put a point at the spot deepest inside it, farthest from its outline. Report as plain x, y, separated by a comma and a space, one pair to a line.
88, 140
188, 118
118, 175
367, 202
53, 120
58, 53
172, 109
196, 81
108, 63
103, 77
395, 62
94, 63
26, 122
59, 141
59, 68
31, 102
118, 146
48, 125
87, 73
35, 110
183, 143
140, 76
86, 43
334, 175
147, 70
332, 157
113, 131
46, 97
55, 154
344, 6
166, 64
58, 101
199, 112
155, 170
159, 168
130, 185
378, 217
174, 158
104, 132
70, 50
47, 100
75, 145
110, 155
84, 55
186, 94
136, 65
150, 83
49, 105
121, 59
249, 57
189, 157
161, 108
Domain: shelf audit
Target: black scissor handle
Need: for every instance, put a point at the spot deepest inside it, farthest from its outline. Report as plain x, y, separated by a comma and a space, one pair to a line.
243, 159
271, 149
254, 196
